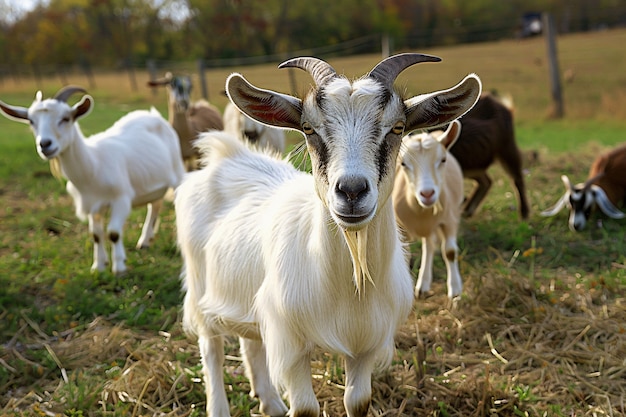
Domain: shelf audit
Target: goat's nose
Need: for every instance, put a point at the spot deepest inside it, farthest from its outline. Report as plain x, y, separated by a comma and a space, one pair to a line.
427, 193
352, 187
45, 144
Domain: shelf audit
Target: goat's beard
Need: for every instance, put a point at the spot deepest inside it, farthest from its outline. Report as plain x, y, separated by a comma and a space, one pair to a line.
357, 244
55, 168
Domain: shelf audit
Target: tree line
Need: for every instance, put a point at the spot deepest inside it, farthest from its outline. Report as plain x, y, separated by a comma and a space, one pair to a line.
127, 33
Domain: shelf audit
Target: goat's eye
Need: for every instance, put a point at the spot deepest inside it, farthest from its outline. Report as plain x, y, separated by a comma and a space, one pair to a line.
64, 120
307, 128
398, 128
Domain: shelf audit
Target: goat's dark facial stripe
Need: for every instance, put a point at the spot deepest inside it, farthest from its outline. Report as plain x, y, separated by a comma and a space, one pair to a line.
388, 147
319, 147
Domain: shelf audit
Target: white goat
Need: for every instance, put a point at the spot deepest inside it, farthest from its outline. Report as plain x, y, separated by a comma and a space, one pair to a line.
284, 259
133, 163
188, 119
247, 129
604, 188
428, 200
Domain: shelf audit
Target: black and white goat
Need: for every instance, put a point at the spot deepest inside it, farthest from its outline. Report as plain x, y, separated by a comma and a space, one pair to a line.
604, 188
289, 261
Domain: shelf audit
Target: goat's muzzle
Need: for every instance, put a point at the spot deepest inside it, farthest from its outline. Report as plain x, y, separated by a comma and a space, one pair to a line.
353, 207
47, 148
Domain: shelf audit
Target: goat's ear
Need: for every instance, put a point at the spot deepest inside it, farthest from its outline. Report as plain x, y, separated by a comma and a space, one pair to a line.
452, 133
82, 108
17, 113
265, 106
441, 107
605, 204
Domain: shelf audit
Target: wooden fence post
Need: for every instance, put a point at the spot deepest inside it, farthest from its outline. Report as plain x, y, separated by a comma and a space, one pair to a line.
553, 62
203, 84
152, 71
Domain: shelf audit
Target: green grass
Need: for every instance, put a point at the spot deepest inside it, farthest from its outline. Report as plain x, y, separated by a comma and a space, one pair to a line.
115, 335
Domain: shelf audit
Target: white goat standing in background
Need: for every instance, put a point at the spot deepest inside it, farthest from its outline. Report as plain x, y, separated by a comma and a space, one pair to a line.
133, 163
284, 259
188, 119
428, 201
247, 129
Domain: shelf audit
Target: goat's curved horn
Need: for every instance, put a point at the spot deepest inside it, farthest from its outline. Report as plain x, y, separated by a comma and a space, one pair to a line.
388, 69
65, 93
589, 182
321, 71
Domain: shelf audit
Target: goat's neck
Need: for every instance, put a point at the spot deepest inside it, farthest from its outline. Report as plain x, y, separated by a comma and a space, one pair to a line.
178, 120
78, 162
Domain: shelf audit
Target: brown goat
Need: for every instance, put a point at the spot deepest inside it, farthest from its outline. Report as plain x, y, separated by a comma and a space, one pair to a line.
605, 188
487, 135
188, 119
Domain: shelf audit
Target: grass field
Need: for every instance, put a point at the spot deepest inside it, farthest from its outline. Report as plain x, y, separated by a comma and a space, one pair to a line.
539, 331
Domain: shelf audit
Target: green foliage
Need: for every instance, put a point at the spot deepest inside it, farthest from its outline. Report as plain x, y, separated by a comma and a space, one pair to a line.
122, 32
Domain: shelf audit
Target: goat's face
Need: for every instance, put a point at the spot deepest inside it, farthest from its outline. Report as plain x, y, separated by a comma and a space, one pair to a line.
353, 134
51, 120
353, 130
423, 159
580, 200
179, 89
251, 129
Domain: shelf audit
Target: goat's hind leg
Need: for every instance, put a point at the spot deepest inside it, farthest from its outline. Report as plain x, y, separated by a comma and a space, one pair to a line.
150, 225
478, 193
254, 357
450, 253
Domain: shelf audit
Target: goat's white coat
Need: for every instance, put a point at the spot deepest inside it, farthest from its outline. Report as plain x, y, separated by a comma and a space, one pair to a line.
247, 129
428, 199
133, 163
266, 250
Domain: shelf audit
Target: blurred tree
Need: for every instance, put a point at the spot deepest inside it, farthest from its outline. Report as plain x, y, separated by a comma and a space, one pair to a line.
117, 33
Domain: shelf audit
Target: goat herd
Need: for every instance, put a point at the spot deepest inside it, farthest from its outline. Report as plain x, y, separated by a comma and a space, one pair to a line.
286, 260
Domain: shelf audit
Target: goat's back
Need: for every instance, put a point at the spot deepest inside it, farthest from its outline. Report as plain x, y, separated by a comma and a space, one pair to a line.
143, 142
487, 134
613, 182
204, 116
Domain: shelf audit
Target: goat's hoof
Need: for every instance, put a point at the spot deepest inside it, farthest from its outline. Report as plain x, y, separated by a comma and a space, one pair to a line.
424, 294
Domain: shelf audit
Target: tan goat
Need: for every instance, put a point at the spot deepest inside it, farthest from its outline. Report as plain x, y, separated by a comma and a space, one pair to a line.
428, 199
188, 119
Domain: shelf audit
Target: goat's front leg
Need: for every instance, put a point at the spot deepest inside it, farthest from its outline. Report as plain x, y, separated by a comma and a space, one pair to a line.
120, 209
96, 229
150, 224
289, 363
212, 354
358, 394
450, 253
425, 274
254, 358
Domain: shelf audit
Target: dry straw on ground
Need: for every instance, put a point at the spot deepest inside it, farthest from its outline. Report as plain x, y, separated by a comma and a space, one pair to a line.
503, 349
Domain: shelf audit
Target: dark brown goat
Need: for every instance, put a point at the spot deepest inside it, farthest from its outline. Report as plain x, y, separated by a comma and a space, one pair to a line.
487, 134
